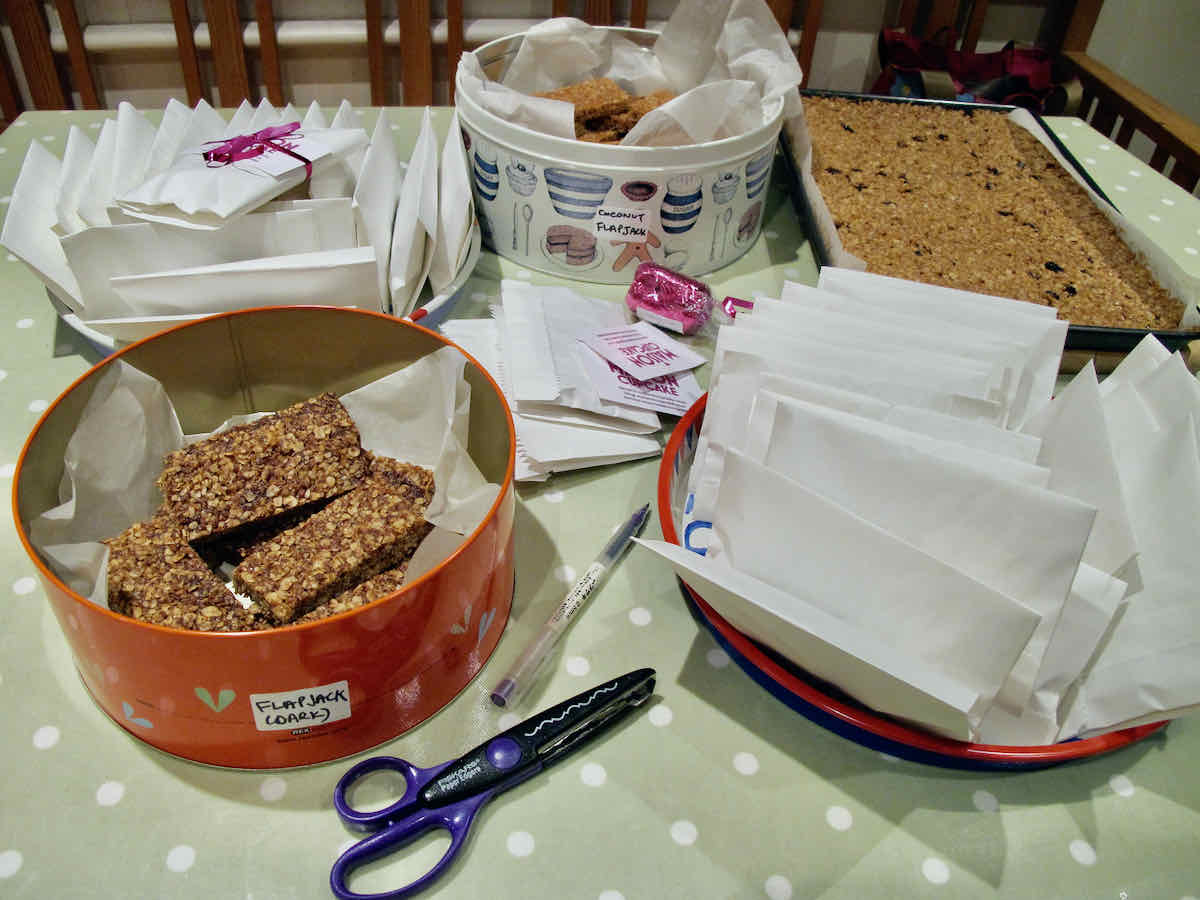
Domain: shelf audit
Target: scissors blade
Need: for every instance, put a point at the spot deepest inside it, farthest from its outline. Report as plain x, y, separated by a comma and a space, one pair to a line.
557, 730
524, 750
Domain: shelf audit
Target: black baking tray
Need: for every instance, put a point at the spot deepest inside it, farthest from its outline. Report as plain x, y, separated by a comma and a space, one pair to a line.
1094, 338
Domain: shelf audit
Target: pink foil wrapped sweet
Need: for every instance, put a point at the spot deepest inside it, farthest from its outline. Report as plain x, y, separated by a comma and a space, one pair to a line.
668, 299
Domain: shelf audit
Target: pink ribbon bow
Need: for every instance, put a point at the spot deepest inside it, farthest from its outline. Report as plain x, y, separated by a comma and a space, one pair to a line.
248, 146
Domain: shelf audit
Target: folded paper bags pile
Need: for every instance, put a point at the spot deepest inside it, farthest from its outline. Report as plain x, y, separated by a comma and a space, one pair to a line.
934, 533
149, 224
533, 347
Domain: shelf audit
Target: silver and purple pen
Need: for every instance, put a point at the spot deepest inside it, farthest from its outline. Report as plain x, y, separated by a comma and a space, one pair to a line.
522, 673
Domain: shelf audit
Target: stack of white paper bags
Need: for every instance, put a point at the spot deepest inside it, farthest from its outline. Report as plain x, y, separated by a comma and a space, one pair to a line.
136, 230
884, 492
531, 347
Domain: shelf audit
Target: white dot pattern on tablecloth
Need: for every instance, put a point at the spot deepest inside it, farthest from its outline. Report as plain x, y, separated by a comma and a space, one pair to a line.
10, 863
839, 818
11, 258
1167, 201
565, 573
1153, 218
640, 616
553, 496
1190, 251
791, 272
985, 801
345, 845
479, 297
1121, 785
745, 763
770, 235
1082, 852
610, 895
593, 774
660, 716
578, 666
110, 793
935, 870
524, 274
272, 789
520, 843
717, 658
776, 887
46, 737
37, 406
181, 858
24, 585
7, 470
3, 374
1120, 187
684, 833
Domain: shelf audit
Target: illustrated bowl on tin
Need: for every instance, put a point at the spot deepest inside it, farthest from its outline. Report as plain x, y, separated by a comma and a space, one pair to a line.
639, 191
576, 195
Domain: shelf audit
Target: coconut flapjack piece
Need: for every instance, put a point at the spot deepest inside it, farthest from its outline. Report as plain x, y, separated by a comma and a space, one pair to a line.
373, 588
155, 576
591, 98
931, 194
249, 473
360, 534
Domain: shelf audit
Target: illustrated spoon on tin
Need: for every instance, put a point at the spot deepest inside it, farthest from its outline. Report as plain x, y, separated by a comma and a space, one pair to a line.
726, 216
514, 227
527, 212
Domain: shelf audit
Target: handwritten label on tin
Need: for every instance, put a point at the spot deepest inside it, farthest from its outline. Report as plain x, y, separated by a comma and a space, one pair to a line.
621, 223
285, 710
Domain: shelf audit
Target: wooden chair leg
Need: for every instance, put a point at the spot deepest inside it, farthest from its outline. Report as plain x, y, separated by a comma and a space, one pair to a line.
32, 38
189, 60
268, 51
373, 10
228, 50
416, 49
81, 72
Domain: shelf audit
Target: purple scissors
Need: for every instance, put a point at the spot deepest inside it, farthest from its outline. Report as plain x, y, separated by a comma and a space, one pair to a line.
448, 796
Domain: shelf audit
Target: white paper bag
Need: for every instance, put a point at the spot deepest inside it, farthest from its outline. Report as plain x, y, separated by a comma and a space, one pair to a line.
1022, 541
873, 671
72, 182
415, 229
99, 255
375, 197
327, 277
29, 226
542, 325
456, 211
775, 530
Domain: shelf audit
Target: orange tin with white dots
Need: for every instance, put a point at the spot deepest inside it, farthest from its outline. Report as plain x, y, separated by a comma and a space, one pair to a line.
305, 693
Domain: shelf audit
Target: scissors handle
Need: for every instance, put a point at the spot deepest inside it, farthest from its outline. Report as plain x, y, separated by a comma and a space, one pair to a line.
414, 780
455, 818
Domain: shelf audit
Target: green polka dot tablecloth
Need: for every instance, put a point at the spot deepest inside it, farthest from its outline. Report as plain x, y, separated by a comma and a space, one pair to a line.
716, 790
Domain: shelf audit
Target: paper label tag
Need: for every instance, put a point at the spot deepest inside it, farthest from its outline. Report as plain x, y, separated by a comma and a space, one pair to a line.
286, 710
670, 394
621, 223
642, 350
277, 163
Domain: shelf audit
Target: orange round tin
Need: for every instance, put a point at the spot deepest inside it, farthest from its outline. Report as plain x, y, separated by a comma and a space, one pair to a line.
300, 694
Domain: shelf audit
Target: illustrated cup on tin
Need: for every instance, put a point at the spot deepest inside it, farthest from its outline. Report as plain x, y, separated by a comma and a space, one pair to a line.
725, 186
576, 195
521, 177
681, 204
757, 171
486, 171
